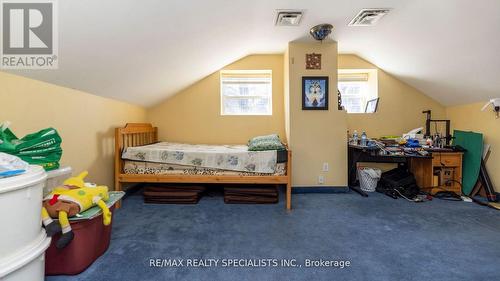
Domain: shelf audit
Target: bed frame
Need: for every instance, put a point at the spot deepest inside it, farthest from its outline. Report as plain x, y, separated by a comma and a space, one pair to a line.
137, 134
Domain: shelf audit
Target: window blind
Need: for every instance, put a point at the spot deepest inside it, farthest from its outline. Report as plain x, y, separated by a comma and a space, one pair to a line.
246, 92
353, 77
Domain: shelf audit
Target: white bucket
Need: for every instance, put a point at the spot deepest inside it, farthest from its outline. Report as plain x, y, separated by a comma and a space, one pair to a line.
28, 263
20, 210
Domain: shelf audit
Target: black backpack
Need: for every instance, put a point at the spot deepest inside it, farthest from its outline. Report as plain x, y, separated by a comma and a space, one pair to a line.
398, 182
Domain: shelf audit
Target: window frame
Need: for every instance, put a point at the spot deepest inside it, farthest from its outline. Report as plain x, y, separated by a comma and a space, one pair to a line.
223, 97
369, 77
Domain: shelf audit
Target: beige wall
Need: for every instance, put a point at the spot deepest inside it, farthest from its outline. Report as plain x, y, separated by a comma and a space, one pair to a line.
400, 108
85, 122
316, 136
193, 115
470, 118
286, 91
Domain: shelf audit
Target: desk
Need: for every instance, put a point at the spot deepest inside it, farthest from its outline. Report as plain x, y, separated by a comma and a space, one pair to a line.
423, 167
358, 153
448, 167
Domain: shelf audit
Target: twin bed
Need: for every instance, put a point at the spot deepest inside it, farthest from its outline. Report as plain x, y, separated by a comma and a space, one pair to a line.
140, 158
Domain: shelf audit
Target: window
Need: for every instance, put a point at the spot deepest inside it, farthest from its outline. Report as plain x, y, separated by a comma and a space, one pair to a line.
246, 92
357, 87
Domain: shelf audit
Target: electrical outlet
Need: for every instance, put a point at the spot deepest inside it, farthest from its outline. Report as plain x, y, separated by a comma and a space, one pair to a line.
321, 179
325, 167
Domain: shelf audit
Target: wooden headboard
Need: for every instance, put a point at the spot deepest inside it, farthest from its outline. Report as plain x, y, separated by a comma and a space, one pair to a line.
133, 134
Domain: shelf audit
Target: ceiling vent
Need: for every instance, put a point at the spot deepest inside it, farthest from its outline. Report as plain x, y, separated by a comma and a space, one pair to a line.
288, 17
368, 17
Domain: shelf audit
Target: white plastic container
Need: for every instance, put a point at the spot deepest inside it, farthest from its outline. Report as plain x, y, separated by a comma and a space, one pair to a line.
368, 178
20, 210
56, 178
28, 263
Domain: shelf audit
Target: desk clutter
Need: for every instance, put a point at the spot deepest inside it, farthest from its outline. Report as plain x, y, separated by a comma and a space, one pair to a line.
411, 143
191, 194
436, 167
428, 166
414, 142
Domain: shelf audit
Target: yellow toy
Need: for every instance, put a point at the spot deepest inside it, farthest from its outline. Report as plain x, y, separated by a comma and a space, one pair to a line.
65, 201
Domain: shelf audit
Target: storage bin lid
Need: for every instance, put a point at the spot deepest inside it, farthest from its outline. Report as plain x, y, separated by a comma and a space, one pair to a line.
33, 176
63, 171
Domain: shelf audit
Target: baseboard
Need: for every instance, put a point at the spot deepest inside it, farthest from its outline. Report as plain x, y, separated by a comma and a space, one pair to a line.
320, 189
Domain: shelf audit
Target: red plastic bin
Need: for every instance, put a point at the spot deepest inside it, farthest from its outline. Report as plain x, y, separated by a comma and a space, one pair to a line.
91, 241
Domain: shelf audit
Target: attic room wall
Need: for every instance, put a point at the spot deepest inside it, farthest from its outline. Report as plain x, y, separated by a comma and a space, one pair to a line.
85, 122
316, 136
470, 118
400, 107
193, 115
286, 91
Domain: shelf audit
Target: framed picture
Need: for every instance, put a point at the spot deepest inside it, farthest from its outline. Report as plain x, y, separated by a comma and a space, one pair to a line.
315, 93
371, 106
313, 61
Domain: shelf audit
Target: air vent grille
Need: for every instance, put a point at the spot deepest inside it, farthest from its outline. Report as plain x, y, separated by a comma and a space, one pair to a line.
288, 17
368, 17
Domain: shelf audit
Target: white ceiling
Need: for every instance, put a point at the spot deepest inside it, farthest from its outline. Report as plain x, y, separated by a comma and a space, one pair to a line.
145, 51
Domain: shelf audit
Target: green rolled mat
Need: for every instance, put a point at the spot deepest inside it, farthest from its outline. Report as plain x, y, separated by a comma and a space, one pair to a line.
473, 143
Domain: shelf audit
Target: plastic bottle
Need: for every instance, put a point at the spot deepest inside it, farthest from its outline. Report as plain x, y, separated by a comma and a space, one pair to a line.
364, 139
355, 137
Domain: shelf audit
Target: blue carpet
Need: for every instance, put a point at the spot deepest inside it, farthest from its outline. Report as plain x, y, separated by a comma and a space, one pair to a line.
383, 238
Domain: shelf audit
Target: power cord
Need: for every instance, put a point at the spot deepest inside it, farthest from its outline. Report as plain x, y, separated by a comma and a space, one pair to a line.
446, 193
408, 199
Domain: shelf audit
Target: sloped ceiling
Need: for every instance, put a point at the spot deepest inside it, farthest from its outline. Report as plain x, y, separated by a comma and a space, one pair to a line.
145, 51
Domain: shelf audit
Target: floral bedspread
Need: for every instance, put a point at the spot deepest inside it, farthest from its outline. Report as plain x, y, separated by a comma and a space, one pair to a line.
152, 168
226, 157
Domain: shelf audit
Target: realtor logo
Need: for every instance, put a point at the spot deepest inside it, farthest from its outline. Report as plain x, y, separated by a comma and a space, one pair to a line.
29, 34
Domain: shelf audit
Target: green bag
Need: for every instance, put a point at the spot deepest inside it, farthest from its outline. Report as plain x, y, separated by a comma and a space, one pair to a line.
42, 142
48, 161
6, 138
41, 148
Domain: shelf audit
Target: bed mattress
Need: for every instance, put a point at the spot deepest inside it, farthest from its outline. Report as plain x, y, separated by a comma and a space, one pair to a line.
221, 157
139, 167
